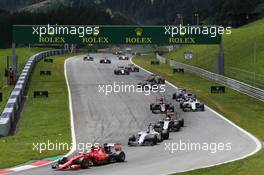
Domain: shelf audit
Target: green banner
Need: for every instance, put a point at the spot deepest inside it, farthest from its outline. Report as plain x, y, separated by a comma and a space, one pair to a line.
77, 34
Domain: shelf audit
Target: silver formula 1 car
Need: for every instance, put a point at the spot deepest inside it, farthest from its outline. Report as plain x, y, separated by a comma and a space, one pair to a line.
178, 94
182, 95
132, 68
123, 57
192, 105
88, 58
146, 137
105, 61
121, 71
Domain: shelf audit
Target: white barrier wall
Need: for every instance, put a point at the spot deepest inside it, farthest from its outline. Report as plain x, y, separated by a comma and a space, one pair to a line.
13, 105
229, 82
161, 59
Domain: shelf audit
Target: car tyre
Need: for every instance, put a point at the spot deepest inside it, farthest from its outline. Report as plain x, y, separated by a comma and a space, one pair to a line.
151, 106
121, 157
84, 163
165, 134
181, 122
154, 141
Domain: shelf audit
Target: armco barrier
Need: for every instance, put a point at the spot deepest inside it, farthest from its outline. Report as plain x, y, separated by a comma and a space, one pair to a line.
160, 58
10, 113
229, 82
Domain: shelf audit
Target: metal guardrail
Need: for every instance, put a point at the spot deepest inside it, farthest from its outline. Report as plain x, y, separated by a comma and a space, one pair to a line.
161, 59
12, 108
229, 82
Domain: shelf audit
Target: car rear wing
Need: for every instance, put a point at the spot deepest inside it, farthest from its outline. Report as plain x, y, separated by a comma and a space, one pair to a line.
117, 146
160, 98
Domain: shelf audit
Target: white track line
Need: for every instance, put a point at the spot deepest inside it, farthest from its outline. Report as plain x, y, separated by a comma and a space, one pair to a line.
70, 108
257, 142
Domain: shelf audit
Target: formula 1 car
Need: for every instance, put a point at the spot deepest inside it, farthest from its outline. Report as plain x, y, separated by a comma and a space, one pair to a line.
147, 138
184, 97
165, 132
161, 106
79, 161
173, 116
108, 153
155, 79
132, 68
178, 94
167, 124
121, 71
123, 57
105, 61
88, 58
163, 127
192, 105
171, 123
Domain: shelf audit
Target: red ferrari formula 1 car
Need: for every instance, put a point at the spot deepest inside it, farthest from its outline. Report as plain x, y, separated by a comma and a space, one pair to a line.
108, 153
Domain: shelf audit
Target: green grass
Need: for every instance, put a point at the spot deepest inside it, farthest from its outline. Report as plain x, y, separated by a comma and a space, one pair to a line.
238, 49
243, 110
253, 165
23, 55
42, 119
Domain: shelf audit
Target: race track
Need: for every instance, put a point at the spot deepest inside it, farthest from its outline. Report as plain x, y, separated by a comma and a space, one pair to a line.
112, 118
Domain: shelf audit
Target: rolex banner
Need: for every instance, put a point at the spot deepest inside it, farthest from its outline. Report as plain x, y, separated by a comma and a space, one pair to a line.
58, 34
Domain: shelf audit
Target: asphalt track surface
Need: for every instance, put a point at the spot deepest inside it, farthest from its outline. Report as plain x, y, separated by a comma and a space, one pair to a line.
112, 118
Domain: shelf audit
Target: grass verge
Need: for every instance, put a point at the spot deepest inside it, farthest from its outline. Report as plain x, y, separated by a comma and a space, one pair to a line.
23, 55
239, 49
42, 120
243, 110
